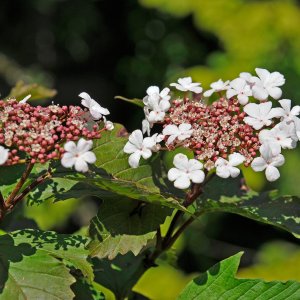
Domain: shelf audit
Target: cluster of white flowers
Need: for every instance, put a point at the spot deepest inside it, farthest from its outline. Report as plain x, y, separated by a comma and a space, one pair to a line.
273, 128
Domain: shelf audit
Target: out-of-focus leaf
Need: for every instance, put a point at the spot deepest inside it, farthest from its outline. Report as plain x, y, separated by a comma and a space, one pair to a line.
84, 290
21, 90
135, 101
228, 196
219, 282
123, 225
33, 264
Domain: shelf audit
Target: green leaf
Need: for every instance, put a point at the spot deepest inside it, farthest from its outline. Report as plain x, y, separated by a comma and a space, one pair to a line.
123, 225
34, 264
219, 282
135, 101
229, 196
28, 273
119, 275
21, 90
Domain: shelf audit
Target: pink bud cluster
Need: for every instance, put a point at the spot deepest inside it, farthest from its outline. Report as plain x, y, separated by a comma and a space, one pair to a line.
38, 133
218, 129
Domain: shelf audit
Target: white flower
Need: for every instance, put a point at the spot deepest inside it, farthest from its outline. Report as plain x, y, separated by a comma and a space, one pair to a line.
289, 114
109, 125
283, 135
138, 146
157, 110
250, 79
154, 93
24, 100
260, 115
181, 132
185, 84
3, 155
268, 162
217, 86
78, 155
240, 88
227, 168
267, 84
186, 170
96, 110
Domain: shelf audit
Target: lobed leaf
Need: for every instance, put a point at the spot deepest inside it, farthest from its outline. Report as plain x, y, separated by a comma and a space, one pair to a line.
219, 282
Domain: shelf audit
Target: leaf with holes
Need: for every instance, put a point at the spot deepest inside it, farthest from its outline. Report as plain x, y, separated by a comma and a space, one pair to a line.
34, 264
219, 282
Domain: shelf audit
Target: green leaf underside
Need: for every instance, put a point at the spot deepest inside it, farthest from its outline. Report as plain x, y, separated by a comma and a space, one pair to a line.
226, 196
219, 282
123, 225
33, 264
135, 101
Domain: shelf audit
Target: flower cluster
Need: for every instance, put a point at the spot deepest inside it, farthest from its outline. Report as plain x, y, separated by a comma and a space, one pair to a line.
39, 134
240, 127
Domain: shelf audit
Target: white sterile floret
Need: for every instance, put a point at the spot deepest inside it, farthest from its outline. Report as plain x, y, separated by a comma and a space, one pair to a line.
154, 93
217, 86
250, 79
268, 162
227, 168
185, 171
240, 88
155, 110
283, 135
267, 84
186, 84
261, 115
109, 125
3, 155
78, 155
139, 147
146, 126
181, 132
290, 113
96, 110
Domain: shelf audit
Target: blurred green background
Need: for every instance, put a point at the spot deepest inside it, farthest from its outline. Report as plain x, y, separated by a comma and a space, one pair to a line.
109, 48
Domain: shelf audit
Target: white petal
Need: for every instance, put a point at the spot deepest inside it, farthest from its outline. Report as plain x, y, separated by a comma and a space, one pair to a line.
129, 148
182, 182
236, 159
134, 159
149, 142
234, 172
196, 89
221, 162
164, 93
265, 108
272, 173
231, 93
146, 126
194, 164
252, 109
197, 176
81, 165
275, 92
181, 161
152, 90
276, 112
184, 127
295, 110
146, 153
68, 160
70, 147
263, 74
3, 155
84, 145
258, 164
243, 99
259, 93
208, 93
136, 138
174, 173
277, 161
89, 157
223, 171
256, 124
170, 129
285, 104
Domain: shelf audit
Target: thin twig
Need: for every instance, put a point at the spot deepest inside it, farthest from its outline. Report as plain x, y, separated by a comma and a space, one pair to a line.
19, 185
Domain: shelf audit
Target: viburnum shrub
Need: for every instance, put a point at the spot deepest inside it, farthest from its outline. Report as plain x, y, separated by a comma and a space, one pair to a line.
64, 152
